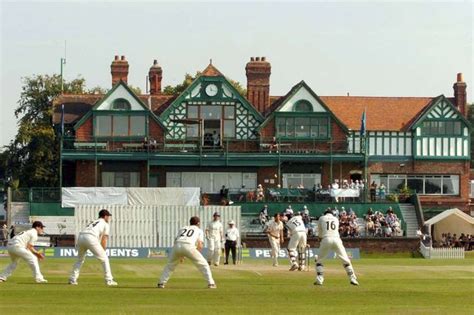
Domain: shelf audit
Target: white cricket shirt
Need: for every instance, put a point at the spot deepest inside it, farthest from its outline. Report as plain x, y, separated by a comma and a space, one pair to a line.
296, 224
275, 228
215, 229
97, 228
232, 234
189, 235
24, 238
328, 226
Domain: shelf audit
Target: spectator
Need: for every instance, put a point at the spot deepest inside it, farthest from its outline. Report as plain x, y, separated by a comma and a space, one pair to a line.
223, 193
370, 227
263, 216
382, 191
231, 242
260, 193
373, 191
289, 212
273, 145
216, 139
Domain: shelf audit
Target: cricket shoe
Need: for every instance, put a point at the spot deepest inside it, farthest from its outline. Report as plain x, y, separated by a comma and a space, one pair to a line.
111, 283
294, 267
319, 280
3, 280
41, 281
212, 286
301, 268
160, 286
354, 281
72, 282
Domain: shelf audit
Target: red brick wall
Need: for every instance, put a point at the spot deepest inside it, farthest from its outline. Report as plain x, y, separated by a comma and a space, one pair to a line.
366, 245
155, 130
267, 173
84, 133
85, 173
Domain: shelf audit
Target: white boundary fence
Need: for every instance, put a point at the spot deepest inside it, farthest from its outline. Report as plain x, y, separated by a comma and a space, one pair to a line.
441, 253
153, 225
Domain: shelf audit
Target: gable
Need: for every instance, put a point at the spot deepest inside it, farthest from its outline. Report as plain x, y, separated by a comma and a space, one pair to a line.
120, 92
222, 95
302, 94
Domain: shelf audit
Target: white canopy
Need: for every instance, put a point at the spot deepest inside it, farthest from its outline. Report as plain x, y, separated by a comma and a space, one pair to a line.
451, 221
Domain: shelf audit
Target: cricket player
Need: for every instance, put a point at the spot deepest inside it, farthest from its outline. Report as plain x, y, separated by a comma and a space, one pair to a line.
274, 230
21, 246
188, 243
215, 237
94, 238
328, 227
297, 243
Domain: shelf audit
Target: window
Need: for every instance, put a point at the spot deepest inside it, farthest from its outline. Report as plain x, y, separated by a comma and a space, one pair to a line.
103, 126
120, 179
193, 112
441, 128
301, 180
211, 112
192, 131
229, 128
421, 184
302, 127
303, 106
137, 125
121, 104
120, 126
229, 112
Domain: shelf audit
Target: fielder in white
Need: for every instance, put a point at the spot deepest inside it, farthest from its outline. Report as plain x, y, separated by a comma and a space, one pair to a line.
94, 238
188, 243
215, 237
21, 246
328, 227
274, 230
297, 243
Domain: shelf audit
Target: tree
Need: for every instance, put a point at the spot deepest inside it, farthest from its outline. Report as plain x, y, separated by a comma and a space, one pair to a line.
188, 79
33, 156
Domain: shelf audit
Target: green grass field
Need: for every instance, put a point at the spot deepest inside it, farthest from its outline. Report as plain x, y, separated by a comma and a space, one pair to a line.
388, 286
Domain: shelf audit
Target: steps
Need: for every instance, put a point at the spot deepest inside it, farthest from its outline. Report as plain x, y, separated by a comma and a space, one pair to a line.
409, 216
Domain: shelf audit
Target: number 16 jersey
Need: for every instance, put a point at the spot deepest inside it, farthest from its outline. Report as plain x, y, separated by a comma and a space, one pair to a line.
189, 235
328, 226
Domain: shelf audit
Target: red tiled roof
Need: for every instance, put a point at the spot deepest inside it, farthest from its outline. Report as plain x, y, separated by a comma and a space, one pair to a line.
211, 71
383, 113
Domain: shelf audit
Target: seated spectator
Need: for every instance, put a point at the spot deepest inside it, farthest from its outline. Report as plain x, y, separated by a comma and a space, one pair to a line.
370, 227
273, 145
289, 212
260, 193
263, 216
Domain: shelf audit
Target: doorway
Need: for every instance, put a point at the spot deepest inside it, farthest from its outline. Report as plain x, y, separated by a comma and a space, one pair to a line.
212, 133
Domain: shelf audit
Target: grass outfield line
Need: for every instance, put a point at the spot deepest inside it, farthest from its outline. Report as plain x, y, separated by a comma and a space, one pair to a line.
388, 286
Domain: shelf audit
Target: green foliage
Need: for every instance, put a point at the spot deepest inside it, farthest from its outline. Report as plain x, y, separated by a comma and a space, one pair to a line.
33, 156
135, 89
97, 90
392, 197
188, 79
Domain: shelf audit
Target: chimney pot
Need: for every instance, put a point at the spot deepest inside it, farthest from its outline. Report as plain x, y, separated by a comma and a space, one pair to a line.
263, 58
155, 62
123, 58
119, 70
116, 57
258, 83
257, 59
252, 59
460, 78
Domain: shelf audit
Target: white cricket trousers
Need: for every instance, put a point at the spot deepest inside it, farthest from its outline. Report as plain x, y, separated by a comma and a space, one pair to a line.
189, 251
296, 247
214, 250
275, 244
90, 242
333, 244
16, 253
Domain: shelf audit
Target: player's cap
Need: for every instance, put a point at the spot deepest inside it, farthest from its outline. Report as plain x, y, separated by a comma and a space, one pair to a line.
231, 222
38, 224
104, 212
216, 214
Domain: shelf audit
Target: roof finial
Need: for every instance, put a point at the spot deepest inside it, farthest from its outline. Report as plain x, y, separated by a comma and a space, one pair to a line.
210, 61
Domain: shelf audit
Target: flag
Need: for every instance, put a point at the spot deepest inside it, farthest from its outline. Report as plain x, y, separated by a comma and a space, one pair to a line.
62, 119
363, 124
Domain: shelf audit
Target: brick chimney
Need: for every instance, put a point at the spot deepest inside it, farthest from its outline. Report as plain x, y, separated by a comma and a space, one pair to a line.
119, 70
258, 72
460, 95
155, 75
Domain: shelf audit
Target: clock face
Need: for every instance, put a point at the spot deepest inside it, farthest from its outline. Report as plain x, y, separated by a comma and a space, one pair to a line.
211, 90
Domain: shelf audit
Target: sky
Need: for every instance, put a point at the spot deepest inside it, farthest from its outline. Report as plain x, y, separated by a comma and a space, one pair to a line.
371, 48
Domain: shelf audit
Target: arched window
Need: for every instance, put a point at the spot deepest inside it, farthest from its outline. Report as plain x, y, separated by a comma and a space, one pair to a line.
121, 104
303, 106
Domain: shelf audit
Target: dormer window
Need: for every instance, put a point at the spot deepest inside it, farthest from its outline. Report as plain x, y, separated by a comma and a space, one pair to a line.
121, 104
303, 106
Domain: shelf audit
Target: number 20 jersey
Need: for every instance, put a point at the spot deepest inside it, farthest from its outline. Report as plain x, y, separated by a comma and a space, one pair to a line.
328, 226
189, 235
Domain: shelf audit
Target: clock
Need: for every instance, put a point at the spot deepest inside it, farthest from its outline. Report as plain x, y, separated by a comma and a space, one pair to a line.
211, 90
